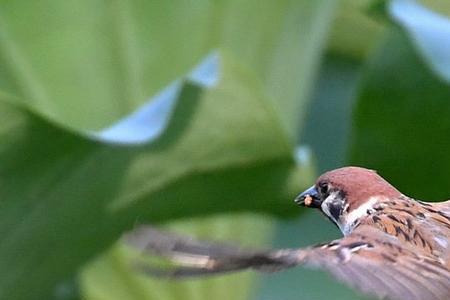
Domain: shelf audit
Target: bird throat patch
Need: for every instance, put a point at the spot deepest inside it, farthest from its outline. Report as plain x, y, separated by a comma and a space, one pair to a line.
333, 206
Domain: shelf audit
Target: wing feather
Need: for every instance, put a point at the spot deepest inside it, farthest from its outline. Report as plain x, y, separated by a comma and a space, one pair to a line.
385, 269
368, 260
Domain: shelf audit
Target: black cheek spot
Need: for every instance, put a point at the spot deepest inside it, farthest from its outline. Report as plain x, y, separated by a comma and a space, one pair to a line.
335, 210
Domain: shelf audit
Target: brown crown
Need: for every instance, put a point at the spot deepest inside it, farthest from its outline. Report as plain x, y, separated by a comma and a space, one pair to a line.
358, 184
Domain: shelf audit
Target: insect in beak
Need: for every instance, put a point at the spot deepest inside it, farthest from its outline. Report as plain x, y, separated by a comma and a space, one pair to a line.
309, 198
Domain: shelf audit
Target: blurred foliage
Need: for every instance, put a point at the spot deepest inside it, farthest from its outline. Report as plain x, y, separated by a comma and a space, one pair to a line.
354, 32
398, 115
72, 66
107, 278
441, 6
81, 65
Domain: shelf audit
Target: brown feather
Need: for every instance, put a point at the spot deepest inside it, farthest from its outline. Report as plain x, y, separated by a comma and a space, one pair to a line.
380, 266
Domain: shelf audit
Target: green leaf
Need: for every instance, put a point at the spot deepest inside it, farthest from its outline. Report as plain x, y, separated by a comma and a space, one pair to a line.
428, 31
355, 30
76, 66
400, 121
85, 64
66, 198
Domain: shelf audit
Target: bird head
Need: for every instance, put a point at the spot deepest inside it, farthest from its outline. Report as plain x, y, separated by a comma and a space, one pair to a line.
347, 194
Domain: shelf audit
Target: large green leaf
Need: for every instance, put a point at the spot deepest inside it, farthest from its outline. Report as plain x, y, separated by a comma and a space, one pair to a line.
66, 198
86, 63
402, 120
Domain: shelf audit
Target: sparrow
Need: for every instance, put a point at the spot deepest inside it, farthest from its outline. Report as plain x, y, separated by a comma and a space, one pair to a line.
393, 247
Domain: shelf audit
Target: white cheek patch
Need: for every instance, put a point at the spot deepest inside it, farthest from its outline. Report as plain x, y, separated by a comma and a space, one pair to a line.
347, 221
325, 206
352, 218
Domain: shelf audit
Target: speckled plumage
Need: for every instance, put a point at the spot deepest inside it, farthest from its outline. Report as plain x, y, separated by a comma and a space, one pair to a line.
393, 247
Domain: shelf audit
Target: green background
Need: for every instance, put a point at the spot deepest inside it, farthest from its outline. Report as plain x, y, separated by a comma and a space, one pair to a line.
339, 79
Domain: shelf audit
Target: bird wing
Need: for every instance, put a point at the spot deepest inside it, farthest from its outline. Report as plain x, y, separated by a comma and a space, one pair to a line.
194, 258
368, 260
380, 265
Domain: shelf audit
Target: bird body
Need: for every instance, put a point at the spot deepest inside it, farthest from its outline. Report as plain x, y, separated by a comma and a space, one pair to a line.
393, 247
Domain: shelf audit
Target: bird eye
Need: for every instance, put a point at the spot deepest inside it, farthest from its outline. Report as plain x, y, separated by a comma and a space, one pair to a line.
323, 188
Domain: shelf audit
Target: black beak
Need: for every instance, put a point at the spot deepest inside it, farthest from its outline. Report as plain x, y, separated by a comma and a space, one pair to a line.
309, 198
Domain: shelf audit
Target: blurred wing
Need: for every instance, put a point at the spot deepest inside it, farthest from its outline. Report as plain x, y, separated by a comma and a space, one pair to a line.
195, 258
368, 260
378, 264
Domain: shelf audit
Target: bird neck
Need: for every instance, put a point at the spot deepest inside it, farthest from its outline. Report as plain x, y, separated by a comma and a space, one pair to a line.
351, 219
